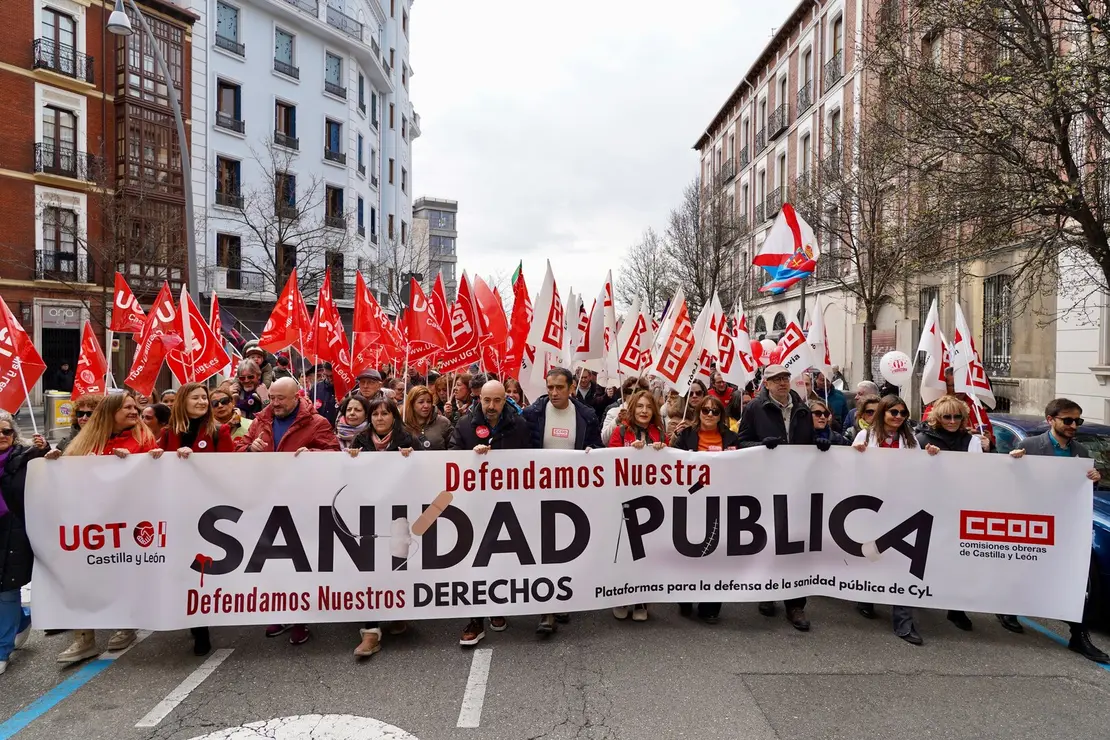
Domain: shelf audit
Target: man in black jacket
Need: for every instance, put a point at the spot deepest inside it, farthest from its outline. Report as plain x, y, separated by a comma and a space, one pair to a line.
590, 393
778, 415
559, 420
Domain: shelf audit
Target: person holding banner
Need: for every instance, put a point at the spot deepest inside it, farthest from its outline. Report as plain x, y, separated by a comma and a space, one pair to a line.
224, 409
618, 412
823, 418
113, 429
252, 393
16, 557
354, 419
429, 430
778, 415
1064, 418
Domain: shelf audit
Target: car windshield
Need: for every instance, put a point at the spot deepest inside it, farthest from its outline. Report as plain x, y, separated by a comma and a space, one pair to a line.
1099, 448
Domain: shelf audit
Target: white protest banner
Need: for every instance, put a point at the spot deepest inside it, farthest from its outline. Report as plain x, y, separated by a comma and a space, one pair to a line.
122, 543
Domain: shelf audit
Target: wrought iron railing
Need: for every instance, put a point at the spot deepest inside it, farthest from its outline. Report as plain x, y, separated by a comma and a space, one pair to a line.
779, 121
231, 45
339, 20
287, 69
62, 266
834, 70
65, 60
335, 156
230, 122
287, 141
805, 97
52, 158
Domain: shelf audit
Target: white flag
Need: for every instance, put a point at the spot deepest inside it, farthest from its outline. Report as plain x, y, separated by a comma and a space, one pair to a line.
932, 343
818, 340
630, 339
676, 358
962, 352
548, 331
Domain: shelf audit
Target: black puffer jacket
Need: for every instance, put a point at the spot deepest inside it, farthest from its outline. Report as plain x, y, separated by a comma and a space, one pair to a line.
959, 441
16, 558
763, 419
473, 429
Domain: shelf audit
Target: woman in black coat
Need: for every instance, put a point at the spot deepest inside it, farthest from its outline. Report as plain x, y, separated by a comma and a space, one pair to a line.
16, 558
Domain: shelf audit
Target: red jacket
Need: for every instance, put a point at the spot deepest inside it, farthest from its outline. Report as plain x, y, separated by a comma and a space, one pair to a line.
723, 397
171, 440
624, 436
309, 430
124, 441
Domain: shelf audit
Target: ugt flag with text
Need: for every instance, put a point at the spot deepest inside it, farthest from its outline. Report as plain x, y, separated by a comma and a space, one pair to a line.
18, 357
92, 367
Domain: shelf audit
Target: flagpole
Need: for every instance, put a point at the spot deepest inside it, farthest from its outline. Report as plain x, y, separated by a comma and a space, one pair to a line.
109, 381
300, 346
405, 392
27, 397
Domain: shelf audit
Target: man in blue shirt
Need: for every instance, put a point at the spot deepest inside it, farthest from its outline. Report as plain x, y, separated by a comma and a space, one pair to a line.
1064, 418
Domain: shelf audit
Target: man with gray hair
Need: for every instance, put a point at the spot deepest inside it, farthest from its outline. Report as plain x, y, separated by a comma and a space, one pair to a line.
864, 388
253, 395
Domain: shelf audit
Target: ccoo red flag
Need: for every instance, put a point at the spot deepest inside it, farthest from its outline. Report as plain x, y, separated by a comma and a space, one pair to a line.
127, 314
289, 321
92, 367
18, 356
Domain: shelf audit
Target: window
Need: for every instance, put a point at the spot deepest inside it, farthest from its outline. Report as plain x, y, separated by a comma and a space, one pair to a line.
784, 85
392, 8
391, 171
228, 111
807, 154
373, 221
227, 28
405, 76
838, 35
361, 162
59, 141
333, 142
744, 193
389, 232
391, 115
285, 125
762, 120
404, 129
333, 75
931, 47
56, 47
333, 206
997, 324
361, 92
404, 180
227, 183
780, 172
374, 109
285, 186
779, 322
405, 23
925, 298
404, 233
146, 146
807, 67
441, 220
285, 261
374, 167
441, 246
834, 131
760, 328
392, 62
334, 262
361, 223
59, 240
144, 77
285, 54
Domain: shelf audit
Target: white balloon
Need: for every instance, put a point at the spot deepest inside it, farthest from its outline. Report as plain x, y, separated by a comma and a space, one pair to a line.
768, 346
895, 368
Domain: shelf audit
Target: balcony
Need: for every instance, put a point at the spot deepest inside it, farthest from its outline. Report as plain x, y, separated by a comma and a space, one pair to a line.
287, 141
66, 267
229, 199
375, 47
774, 201
230, 122
779, 121
333, 89
802, 182
830, 165
343, 283
373, 181
362, 169
65, 60
805, 97
306, 6
726, 173
745, 157
52, 159
834, 70
287, 211
374, 120
287, 69
760, 214
246, 280
373, 237
362, 230
760, 140
336, 220
231, 45
344, 23
333, 155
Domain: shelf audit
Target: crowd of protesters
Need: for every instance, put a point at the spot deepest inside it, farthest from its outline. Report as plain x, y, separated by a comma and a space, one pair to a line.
265, 408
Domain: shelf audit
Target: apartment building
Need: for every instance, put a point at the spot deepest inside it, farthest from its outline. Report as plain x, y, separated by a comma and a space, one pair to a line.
90, 176
783, 124
435, 233
302, 145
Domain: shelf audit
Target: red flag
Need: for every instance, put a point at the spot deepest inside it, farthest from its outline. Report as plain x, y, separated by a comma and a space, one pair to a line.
17, 355
127, 314
493, 327
437, 304
214, 321
92, 368
201, 354
328, 341
462, 343
372, 333
519, 327
289, 322
420, 324
158, 334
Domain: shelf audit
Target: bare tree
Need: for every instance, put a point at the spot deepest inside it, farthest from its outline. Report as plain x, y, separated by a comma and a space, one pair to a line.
283, 221
646, 273
700, 245
1006, 104
396, 263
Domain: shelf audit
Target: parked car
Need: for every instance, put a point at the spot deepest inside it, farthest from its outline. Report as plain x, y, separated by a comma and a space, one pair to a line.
1009, 430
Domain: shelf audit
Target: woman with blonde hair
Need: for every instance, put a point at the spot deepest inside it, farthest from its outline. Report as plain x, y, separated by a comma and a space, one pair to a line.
222, 401
113, 429
946, 428
429, 429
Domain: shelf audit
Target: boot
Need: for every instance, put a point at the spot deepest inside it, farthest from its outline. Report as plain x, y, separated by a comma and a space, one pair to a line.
121, 640
371, 643
202, 641
83, 648
1081, 643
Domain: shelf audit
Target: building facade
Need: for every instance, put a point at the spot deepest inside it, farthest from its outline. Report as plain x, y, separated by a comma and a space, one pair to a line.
90, 174
302, 149
785, 123
435, 233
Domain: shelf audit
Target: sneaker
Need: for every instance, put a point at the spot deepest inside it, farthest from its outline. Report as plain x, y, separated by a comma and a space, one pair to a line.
547, 625
121, 640
22, 637
620, 612
82, 648
498, 624
371, 643
3, 666
277, 629
398, 628
640, 613
299, 635
473, 633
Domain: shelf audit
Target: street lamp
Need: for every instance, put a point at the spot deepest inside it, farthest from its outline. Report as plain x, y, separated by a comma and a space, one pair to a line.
120, 25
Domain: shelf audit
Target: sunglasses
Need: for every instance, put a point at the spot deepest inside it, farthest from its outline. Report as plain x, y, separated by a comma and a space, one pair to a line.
221, 402
7, 432
821, 414
248, 377
898, 412
1069, 420
952, 417
869, 412
82, 414
711, 412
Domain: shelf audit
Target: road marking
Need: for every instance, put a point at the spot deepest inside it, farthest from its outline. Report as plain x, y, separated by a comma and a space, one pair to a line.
1037, 627
470, 714
64, 690
186, 687
316, 726
139, 637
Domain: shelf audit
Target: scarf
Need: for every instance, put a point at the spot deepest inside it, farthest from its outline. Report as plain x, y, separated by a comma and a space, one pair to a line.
4, 461
347, 433
189, 436
381, 444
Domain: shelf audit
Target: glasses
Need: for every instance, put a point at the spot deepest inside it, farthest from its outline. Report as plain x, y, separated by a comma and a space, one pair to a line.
221, 402
711, 412
821, 414
696, 394
1069, 420
952, 417
82, 414
869, 412
898, 412
7, 432
248, 377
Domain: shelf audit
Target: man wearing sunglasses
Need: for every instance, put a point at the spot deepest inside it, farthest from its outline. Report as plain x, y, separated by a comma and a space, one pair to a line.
1064, 418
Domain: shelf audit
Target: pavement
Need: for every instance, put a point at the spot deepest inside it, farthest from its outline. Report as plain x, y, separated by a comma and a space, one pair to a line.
595, 679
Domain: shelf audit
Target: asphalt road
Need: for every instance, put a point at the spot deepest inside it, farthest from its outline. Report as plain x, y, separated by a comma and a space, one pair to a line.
747, 677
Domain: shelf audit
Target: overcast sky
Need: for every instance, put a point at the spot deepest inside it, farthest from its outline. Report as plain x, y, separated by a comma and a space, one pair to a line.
565, 129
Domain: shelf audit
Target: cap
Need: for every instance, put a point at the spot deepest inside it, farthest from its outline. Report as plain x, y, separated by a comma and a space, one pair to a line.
370, 375
255, 348
774, 370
